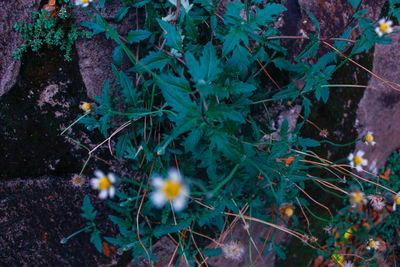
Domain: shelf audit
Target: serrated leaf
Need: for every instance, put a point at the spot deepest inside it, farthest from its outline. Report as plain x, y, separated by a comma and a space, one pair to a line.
122, 145
121, 13
96, 240
174, 39
137, 35
269, 13
167, 229
129, 92
310, 50
117, 56
193, 139
314, 20
307, 142
88, 211
233, 38
154, 60
96, 28
354, 3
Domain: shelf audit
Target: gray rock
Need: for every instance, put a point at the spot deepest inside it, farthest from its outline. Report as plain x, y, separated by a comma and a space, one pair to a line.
334, 16
95, 54
379, 109
10, 40
39, 213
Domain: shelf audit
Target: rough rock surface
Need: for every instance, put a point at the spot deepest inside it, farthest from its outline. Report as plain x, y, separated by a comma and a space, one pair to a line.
379, 109
333, 16
95, 54
38, 213
10, 40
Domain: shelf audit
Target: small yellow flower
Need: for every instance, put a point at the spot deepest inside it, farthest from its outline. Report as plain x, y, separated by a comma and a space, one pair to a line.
86, 106
396, 200
357, 160
357, 197
103, 183
286, 210
349, 234
338, 258
373, 244
171, 190
384, 26
77, 180
369, 138
233, 250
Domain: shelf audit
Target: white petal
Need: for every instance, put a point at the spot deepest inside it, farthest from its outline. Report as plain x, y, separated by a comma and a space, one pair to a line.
111, 191
390, 22
381, 21
369, 248
350, 157
394, 206
103, 194
358, 168
360, 153
158, 199
185, 191
364, 162
99, 174
94, 182
373, 143
389, 30
174, 175
157, 182
112, 178
179, 203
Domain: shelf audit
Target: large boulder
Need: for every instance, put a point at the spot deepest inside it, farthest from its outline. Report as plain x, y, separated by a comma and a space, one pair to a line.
379, 109
95, 54
10, 13
38, 213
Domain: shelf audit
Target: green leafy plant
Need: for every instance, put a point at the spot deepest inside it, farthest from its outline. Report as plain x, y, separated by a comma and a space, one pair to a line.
57, 30
192, 101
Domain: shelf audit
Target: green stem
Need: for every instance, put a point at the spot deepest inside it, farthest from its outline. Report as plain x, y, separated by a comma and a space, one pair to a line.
65, 239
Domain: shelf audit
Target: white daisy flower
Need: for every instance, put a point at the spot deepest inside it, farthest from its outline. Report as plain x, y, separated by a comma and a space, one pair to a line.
103, 183
77, 180
384, 26
357, 161
83, 3
373, 244
396, 201
348, 264
171, 189
377, 202
233, 250
357, 197
369, 138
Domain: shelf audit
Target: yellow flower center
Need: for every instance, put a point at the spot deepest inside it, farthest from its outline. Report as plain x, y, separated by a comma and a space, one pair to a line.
349, 234
338, 258
289, 211
77, 180
171, 189
85, 1
369, 138
357, 197
372, 244
397, 200
85, 105
358, 160
384, 27
104, 183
